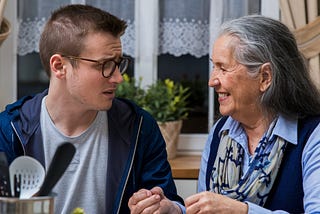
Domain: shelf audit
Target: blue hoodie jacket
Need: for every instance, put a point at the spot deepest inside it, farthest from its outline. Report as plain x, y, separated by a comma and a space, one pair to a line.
137, 155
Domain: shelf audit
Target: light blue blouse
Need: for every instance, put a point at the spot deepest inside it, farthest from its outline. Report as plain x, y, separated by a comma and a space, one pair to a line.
286, 129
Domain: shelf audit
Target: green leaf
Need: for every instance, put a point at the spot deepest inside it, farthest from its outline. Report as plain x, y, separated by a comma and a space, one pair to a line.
164, 100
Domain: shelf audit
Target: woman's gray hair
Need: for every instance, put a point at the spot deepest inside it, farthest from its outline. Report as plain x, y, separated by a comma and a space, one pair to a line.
264, 40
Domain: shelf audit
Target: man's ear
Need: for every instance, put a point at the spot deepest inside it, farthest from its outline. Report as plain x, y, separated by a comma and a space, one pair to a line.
57, 65
265, 76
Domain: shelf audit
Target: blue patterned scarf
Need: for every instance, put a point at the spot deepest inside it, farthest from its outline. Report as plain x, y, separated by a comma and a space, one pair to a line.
254, 186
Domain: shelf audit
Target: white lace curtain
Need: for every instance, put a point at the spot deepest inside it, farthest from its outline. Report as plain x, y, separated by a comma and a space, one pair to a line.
183, 24
33, 14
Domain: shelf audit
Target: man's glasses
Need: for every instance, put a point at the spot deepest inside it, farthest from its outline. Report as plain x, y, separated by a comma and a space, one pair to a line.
108, 67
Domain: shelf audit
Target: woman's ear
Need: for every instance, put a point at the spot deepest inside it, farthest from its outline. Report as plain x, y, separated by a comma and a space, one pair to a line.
57, 66
265, 76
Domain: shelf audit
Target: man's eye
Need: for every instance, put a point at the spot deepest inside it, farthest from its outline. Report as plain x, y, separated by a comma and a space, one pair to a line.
98, 66
108, 65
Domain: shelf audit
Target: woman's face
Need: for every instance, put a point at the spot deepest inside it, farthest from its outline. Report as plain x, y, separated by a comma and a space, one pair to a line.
238, 92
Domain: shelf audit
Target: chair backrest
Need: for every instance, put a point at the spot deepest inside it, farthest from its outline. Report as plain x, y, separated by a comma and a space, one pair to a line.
302, 17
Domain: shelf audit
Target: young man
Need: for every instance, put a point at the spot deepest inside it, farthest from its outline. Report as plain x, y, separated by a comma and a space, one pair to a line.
120, 149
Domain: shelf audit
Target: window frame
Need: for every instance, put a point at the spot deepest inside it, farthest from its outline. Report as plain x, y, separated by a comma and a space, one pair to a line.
190, 144
146, 62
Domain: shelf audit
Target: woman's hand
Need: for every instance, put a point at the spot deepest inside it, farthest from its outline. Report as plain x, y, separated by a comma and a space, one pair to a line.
209, 202
152, 201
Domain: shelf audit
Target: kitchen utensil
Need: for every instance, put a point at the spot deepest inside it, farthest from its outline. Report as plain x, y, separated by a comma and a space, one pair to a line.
58, 165
5, 189
16, 186
32, 175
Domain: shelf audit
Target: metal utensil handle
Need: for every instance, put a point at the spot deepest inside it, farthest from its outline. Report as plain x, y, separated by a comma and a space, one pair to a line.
5, 189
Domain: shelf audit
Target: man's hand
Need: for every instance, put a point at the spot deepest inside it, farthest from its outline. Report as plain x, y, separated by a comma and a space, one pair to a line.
152, 201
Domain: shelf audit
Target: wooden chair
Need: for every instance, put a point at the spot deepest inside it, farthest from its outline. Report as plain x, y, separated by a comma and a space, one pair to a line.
302, 17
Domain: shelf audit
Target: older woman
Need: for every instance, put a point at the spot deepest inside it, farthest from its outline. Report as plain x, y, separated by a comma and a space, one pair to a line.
264, 154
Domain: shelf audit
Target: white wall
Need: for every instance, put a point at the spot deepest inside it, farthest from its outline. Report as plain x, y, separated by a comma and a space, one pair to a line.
8, 59
270, 8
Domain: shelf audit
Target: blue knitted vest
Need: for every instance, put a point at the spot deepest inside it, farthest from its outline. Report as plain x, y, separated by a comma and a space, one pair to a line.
287, 191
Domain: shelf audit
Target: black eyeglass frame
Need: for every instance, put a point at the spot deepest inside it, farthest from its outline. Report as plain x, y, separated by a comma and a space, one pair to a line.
125, 60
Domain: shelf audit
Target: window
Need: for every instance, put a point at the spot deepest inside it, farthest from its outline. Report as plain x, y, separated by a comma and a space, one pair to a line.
154, 56
192, 72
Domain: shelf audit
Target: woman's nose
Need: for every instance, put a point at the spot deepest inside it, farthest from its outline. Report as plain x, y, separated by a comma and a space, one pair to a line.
213, 80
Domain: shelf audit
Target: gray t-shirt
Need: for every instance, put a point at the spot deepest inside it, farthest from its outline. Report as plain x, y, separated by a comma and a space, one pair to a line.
84, 182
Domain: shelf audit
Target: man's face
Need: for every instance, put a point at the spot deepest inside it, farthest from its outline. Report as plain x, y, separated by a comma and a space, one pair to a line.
85, 83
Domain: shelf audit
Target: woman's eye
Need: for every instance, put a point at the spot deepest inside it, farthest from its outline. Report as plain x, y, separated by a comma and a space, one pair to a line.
223, 70
218, 69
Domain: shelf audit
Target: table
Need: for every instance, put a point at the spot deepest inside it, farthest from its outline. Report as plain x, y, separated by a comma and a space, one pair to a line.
185, 166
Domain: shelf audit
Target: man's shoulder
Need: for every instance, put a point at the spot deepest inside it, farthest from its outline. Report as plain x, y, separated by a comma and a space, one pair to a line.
12, 109
25, 105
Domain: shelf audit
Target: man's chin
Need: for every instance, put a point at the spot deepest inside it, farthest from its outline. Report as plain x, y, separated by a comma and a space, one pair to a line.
105, 107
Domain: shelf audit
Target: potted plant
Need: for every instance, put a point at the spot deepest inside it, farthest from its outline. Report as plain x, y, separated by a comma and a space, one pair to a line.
165, 100
131, 89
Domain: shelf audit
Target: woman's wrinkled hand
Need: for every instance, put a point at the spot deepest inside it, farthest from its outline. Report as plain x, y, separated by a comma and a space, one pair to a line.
209, 202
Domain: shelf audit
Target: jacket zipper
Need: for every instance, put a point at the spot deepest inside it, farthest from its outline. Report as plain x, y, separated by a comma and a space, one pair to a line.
15, 130
134, 152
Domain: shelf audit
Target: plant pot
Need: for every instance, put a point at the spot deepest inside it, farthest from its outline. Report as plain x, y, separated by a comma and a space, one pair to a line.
170, 131
4, 30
